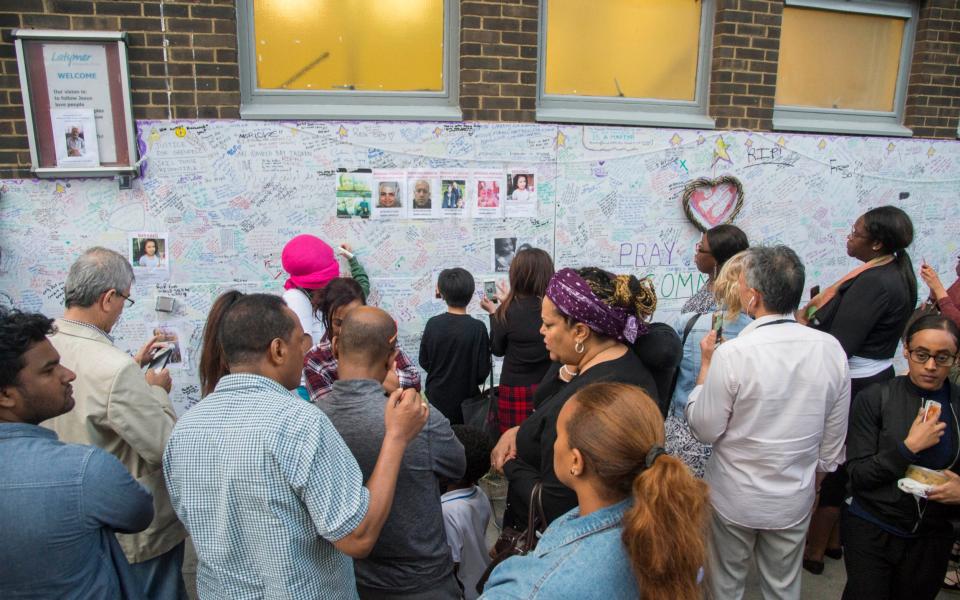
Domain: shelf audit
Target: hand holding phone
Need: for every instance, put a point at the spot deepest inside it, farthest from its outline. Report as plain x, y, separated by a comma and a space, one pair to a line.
717, 325
931, 411
160, 358
490, 290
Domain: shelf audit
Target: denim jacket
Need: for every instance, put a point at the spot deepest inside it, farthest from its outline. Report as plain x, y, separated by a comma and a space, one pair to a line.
59, 507
690, 363
577, 557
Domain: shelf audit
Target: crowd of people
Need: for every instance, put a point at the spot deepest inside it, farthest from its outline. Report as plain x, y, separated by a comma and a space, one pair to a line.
641, 459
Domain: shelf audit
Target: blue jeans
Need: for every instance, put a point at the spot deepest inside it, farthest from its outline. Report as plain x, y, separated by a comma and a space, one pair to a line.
161, 577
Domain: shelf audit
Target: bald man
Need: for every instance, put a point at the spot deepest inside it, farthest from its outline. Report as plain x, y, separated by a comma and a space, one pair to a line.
411, 559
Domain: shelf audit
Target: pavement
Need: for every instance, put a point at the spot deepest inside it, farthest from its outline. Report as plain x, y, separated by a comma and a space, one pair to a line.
826, 586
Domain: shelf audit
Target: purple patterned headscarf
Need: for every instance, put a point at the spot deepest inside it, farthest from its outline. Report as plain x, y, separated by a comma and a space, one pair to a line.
574, 298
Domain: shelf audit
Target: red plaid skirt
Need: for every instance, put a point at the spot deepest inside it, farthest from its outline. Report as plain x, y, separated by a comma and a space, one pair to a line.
514, 404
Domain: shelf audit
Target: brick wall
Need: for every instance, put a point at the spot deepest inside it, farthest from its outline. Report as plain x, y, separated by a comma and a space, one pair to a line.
498, 62
198, 79
933, 94
746, 47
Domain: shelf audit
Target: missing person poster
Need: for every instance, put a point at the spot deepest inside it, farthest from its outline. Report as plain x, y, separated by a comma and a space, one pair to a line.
75, 137
78, 78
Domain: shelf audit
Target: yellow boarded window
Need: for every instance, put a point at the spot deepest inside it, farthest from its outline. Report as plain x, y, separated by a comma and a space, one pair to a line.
365, 45
626, 48
838, 60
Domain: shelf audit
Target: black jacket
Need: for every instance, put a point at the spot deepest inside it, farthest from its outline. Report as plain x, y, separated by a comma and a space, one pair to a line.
880, 420
869, 313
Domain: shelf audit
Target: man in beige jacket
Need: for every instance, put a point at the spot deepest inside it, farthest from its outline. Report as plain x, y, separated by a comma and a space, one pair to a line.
120, 409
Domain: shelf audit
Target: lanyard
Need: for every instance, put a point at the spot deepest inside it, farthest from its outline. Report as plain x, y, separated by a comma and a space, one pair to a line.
777, 322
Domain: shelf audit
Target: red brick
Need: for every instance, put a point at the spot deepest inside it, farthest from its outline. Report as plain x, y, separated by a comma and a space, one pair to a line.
497, 24
496, 76
119, 8
480, 9
501, 50
499, 102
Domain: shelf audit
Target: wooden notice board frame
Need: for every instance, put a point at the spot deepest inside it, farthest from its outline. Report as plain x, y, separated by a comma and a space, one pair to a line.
74, 81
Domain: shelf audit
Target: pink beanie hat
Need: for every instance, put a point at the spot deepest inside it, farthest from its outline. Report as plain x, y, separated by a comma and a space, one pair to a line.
310, 263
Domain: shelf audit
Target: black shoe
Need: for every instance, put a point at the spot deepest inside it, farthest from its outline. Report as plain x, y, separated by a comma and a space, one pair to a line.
814, 566
834, 553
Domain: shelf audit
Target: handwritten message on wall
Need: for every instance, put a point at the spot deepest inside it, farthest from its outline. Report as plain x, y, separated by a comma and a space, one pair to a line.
229, 194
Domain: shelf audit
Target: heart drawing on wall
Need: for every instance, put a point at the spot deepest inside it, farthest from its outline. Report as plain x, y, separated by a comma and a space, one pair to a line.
711, 202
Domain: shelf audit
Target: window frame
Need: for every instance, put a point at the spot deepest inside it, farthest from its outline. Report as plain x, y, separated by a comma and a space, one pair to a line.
260, 103
849, 121
567, 108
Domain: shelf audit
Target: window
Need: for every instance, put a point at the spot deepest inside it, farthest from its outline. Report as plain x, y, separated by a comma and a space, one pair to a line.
363, 59
641, 62
843, 66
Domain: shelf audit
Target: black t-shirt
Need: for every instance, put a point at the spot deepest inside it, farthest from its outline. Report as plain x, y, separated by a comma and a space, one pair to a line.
455, 353
517, 338
538, 432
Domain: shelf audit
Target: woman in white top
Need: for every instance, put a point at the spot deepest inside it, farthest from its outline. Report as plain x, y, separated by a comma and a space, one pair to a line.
310, 264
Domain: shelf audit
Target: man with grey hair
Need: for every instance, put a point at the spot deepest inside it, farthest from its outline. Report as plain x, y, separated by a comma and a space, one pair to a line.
120, 409
774, 403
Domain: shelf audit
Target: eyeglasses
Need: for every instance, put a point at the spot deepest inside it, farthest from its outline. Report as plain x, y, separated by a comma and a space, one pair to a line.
942, 360
126, 298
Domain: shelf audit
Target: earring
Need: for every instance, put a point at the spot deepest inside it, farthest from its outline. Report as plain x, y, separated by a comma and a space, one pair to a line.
578, 348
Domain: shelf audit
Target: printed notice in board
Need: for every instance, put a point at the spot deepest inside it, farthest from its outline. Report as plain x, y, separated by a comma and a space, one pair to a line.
78, 78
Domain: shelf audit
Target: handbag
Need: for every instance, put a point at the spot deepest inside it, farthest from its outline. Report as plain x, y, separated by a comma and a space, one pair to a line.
513, 542
480, 411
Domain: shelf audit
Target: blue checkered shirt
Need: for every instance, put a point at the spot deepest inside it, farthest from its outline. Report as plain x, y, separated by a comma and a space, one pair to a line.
264, 483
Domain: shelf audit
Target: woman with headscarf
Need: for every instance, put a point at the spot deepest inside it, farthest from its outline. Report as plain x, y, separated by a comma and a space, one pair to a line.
591, 318
310, 265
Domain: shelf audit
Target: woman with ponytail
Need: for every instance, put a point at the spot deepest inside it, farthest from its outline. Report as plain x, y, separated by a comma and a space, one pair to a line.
639, 528
867, 311
590, 320
213, 365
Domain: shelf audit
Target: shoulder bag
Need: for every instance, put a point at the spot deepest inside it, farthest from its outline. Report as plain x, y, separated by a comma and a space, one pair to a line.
518, 543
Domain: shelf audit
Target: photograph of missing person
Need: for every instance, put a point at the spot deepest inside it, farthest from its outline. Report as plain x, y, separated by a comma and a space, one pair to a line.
169, 343
504, 249
453, 193
75, 142
354, 193
422, 194
149, 252
520, 187
488, 194
389, 195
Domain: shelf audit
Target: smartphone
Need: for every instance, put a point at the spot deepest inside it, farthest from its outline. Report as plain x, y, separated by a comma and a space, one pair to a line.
160, 358
490, 290
931, 411
718, 325
814, 291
